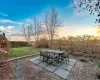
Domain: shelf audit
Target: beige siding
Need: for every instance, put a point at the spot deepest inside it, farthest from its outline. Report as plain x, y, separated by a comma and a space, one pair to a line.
18, 38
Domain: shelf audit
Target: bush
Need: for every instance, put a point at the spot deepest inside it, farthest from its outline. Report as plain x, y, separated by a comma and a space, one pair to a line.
98, 75
83, 60
78, 54
98, 64
14, 44
42, 43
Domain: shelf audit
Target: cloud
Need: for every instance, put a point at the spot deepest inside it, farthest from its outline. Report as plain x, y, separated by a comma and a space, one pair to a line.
6, 29
10, 27
2, 28
98, 29
9, 21
3, 14
28, 20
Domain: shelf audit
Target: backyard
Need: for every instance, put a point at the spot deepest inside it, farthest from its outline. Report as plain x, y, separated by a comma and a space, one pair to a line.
85, 68
50, 40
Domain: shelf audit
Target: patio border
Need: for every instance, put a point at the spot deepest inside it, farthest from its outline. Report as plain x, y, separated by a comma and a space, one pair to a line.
22, 57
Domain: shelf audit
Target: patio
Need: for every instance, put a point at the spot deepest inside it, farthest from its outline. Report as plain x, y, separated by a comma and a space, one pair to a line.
62, 70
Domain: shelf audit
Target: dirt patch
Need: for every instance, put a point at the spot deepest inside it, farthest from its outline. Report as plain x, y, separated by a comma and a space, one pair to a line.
83, 71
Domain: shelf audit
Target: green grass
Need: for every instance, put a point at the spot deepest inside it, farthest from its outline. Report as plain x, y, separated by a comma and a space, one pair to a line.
22, 51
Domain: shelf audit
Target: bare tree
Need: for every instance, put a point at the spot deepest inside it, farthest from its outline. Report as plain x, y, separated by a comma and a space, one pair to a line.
32, 28
27, 32
51, 22
35, 28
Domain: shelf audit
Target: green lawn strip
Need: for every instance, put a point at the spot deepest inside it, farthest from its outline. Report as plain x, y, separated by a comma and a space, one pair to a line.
22, 51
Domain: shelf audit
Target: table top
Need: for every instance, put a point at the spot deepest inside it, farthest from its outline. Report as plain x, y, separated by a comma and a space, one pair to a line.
53, 51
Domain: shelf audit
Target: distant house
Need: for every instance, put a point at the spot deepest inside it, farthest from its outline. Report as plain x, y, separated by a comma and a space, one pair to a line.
18, 37
21, 37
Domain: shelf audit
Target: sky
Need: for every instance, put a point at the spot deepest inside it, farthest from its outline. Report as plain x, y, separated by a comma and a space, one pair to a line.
13, 13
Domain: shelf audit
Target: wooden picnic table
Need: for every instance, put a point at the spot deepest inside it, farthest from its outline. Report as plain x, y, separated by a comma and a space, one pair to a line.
53, 51
54, 55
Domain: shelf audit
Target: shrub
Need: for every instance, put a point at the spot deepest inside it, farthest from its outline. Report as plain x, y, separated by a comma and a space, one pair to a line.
98, 75
42, 43
98, 69
98, 64
78, 54
15, 44
83, 60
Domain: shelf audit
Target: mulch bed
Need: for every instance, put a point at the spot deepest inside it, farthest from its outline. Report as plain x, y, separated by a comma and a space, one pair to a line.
5, 71
84, 71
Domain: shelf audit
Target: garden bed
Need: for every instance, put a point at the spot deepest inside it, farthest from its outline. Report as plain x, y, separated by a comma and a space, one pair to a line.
84, 71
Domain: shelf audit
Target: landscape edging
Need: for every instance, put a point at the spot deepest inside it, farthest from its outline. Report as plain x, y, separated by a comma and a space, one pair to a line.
22, 57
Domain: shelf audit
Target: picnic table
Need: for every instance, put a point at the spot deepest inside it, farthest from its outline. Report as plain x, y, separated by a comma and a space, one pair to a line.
54, 55
53, 51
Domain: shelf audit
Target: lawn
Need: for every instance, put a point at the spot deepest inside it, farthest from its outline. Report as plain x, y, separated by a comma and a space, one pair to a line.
22, 51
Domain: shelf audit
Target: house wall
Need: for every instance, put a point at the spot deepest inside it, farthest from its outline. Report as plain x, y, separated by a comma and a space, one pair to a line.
18, 38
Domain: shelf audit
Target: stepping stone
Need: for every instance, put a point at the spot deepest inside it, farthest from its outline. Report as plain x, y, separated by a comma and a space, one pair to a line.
73, 60
19, 74
19, 67
64, 79
18, 64
17, 61
71, 63
51, 68
43, 64
35, 60
62, 73
21, 78
67, 67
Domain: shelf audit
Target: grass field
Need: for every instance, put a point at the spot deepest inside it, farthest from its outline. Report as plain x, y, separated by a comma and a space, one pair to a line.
18, 52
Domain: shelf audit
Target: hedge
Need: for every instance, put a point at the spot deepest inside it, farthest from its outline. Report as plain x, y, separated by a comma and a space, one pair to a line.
14, 44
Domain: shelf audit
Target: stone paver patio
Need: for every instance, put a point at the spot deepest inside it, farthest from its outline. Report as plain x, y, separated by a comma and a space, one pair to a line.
61, 71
